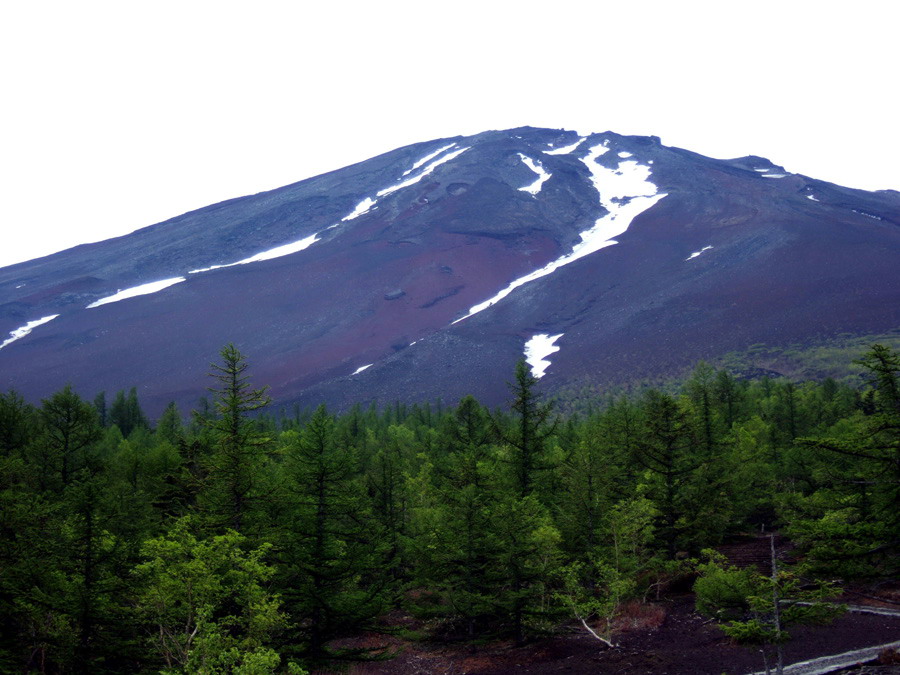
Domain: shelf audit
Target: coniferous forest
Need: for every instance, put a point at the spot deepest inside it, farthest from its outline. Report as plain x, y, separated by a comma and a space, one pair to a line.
246, 540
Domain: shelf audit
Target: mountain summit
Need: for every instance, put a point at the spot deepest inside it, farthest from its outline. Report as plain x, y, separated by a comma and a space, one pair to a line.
428, 271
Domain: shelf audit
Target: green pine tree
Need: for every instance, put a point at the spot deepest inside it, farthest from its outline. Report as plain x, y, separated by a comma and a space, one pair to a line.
328, 543
238, 449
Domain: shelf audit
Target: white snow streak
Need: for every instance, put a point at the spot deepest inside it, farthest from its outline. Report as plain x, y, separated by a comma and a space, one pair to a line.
360, 209
280, 251
211, 268
566, 150
774, 175
537, 349
427, 170
21, 332
276, 252
761, 170
538, 168
625, 192
363, 207
696, 253
427, 158
143, 289
813, 197
624, 154
360, 369
366, 204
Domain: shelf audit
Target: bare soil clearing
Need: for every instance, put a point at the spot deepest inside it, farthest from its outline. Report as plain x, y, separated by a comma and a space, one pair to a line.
684, 643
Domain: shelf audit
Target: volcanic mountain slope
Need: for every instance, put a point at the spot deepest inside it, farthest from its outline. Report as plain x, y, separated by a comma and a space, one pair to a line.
428, 271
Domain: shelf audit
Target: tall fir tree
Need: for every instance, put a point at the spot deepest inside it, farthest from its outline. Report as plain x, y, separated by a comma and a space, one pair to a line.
100, 405
526, 539
125, 412
66, 446
666, 452
170, 427
18, 423
328, 546
238, 448
455, 534
526, 434
851, 524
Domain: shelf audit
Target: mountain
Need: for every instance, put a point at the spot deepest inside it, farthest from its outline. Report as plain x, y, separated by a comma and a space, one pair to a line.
428, 271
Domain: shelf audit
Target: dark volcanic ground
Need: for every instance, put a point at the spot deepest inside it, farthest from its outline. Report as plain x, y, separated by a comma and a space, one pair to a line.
683, 644
783, 268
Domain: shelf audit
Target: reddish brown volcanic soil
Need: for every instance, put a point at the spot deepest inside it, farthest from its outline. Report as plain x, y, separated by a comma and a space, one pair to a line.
779, 269
684, 643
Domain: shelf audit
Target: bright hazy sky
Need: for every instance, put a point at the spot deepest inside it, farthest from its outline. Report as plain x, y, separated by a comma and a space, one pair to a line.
117, 115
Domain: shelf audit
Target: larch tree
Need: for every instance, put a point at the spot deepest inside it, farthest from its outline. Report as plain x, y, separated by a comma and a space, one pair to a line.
238, 448
455, 543
125, 412
71, 429
170, 427
666, 452
525, 538
327, 546
526, 435
852, 523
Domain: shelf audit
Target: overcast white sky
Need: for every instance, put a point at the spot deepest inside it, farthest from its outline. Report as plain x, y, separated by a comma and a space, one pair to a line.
117, 115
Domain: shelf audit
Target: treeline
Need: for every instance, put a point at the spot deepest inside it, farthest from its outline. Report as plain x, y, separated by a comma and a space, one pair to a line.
240, 542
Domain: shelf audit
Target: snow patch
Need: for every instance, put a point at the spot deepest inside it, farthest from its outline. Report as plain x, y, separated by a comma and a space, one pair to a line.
143, 289
624, 154
427, 170
765, 173
211, 268
361, 368
538, 168
20, 286
566, 150
867, 215
625, 192
363, 207
360, 209
271, 253
813, 197
697, 253
537, 349
427, 158
280, 251
22, 331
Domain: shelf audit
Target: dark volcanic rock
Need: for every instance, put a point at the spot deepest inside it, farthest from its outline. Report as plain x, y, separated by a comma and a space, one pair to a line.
737, 252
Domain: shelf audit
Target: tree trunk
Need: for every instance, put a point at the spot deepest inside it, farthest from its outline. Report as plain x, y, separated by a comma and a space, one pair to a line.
776, 610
